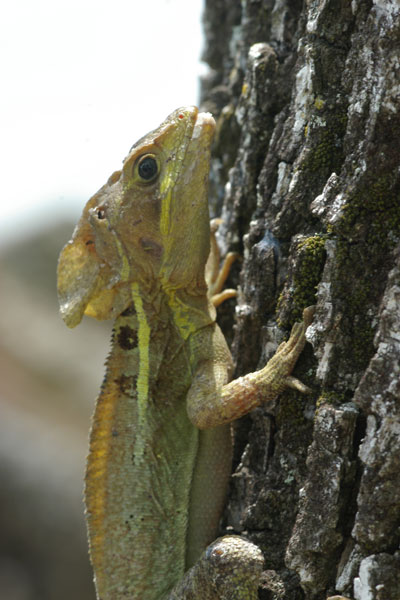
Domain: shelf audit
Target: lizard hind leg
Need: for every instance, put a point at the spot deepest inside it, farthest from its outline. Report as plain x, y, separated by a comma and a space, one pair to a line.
216, 275
229, 569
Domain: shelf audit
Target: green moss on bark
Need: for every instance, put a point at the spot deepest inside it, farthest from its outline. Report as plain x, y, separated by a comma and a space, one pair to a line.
310, 262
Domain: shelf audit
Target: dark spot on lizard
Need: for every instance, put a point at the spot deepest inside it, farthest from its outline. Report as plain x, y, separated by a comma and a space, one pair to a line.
128, 525
151, 246
129, 311
127, 384
127, 338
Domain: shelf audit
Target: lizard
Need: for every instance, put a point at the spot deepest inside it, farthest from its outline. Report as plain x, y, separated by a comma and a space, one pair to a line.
160, 443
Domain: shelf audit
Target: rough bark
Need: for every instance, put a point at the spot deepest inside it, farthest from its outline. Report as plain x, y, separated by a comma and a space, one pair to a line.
306, 178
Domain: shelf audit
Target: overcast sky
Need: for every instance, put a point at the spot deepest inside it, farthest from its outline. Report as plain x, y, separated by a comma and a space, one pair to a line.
81, 81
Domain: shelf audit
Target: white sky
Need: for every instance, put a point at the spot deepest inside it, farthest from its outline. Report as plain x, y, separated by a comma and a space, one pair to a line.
81, 81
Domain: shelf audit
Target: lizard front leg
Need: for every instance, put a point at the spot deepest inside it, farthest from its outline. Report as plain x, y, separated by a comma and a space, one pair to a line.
209, 406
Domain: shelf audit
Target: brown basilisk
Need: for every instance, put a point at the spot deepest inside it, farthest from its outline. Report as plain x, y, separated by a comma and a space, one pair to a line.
160, 444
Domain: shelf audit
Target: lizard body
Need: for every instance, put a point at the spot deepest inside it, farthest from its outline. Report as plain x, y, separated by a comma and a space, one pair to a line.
160, 445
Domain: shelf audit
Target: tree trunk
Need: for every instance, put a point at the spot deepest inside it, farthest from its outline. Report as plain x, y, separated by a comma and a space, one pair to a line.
306, 178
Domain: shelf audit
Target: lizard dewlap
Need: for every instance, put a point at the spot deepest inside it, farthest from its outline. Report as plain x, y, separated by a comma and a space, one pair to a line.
160, 444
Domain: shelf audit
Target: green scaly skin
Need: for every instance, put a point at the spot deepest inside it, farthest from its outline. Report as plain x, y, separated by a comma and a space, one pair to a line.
160, 445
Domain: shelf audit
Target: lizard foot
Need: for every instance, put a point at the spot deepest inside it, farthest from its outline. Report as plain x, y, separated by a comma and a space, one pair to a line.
276, 375
216, 275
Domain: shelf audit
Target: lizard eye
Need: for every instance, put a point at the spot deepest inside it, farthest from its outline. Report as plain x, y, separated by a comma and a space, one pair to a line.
147, 168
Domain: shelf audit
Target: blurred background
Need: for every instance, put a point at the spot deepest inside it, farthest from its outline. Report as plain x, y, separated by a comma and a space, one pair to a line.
81, 82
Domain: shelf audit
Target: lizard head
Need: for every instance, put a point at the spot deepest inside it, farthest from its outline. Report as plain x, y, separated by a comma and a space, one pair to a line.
148, 224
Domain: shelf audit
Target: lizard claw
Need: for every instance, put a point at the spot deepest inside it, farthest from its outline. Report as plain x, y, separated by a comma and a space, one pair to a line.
296, 384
